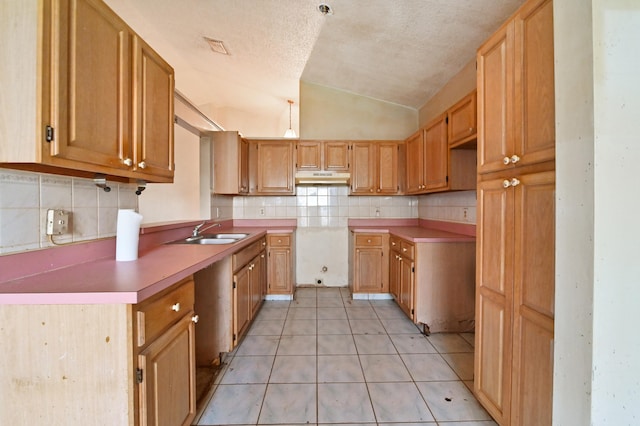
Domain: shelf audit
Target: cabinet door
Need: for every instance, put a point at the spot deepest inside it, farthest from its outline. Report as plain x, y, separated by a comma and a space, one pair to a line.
368, 270
309, 155
533, 298
363, 169
336, 156
279, 271
415, 163
387, 168
461, 120
167, 390
275, 167
241, 302
394, 275
407, 279
495, 100
494, 294
90, 105
153, 120
437, 155
243, 166
534, 83
257, 283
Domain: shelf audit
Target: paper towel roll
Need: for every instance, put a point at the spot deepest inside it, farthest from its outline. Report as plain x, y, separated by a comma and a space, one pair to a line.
127, 235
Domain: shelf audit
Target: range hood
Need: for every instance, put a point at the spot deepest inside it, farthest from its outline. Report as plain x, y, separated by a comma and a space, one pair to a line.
322, 178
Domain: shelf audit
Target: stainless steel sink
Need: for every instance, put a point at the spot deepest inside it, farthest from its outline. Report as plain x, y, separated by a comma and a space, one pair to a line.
220, 238
225, 236
212, 241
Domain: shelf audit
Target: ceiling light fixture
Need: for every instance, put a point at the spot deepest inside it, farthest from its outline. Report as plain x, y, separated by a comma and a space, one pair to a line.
290, 133
216, 45
325, 9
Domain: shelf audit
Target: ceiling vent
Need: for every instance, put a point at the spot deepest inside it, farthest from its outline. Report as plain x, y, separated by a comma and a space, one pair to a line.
216, 45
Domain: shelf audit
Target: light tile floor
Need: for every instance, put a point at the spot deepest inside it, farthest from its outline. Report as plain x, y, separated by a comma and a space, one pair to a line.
324, 358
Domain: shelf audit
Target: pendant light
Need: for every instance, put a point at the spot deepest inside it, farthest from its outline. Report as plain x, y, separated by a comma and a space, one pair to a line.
290, 133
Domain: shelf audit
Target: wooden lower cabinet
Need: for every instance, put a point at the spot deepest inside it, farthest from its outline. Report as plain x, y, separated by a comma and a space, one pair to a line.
515, 295
74, 364
167, 371
433, 283
280, 261
370, 270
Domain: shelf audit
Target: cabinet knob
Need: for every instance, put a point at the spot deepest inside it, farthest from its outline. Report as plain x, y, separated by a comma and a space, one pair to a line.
393, 243
371, 190
127, 161
142, 164
506, 183
264, 243
378, 190
514, 159
195, 319
369, 240
506, 161
262, 256
404, 249
470, 129
400, 258
176, 307
279, 241
515, 182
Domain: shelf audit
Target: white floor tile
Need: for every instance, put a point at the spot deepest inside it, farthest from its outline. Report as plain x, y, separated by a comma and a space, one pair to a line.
344, 402
288, 403
452, 401
234, 404
294, 369
398, 402
339, 368
384, 368
352, 362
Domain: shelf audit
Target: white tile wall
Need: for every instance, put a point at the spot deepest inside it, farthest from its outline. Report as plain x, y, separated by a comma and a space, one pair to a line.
449, 206
321, 206
25, 198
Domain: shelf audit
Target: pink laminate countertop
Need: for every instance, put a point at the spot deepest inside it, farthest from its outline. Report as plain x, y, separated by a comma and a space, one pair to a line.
421, 232
107, 281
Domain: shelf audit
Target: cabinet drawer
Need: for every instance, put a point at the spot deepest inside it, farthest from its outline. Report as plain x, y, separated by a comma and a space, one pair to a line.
279, 240
156, 315
394, 243
407, 249
245, 255
369, 240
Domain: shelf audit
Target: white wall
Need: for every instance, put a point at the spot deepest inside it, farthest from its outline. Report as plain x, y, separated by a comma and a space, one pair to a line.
327, 113
597, 377
180, 200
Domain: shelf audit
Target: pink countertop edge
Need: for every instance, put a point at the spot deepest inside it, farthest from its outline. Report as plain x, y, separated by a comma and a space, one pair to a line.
87, 273
417, 230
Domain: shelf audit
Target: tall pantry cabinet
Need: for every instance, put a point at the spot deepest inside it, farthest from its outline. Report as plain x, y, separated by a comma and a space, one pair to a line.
516, 219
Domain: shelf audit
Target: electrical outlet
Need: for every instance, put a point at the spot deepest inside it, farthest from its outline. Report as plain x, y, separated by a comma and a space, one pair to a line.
57, 222
262, 212
465, 212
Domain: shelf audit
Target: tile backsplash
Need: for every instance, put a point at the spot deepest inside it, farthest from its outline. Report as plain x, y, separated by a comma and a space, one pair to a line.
321, 206
25, 198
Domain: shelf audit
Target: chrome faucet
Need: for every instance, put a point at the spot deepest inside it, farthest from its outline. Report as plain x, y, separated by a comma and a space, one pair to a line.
199, 228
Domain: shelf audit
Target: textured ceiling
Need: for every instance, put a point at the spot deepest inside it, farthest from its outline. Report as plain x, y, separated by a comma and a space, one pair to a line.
400, 51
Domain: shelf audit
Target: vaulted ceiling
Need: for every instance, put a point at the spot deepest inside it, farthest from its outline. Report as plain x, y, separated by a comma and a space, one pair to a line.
398, 51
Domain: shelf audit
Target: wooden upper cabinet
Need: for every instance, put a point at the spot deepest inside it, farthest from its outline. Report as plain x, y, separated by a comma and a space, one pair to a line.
153, 94
374, 168
414, 146
230, 163
436, 155
336, 156
273, 167
101, 101
322, 155
461, 121
309, 155
516, 124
